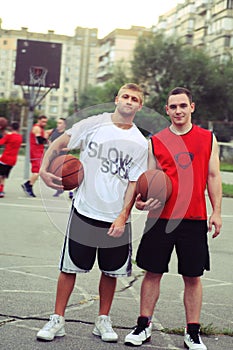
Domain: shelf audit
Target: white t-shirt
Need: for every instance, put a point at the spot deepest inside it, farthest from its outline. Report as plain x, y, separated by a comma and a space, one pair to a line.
111, 157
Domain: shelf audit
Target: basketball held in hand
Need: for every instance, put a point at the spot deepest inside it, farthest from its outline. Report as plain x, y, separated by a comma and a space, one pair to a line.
3, 123
69, 168
154, 184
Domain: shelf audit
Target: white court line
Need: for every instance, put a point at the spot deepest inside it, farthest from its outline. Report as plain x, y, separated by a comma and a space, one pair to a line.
14, 205
62, 208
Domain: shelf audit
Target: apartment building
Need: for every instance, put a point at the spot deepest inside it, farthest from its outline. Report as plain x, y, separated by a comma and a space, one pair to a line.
202, 23
117, 46
78, 67
87, 60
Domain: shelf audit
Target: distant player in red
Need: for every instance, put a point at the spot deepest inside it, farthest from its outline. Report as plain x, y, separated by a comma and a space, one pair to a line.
12, 142
38, 138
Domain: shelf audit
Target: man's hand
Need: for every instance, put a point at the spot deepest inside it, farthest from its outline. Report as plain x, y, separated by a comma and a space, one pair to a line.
150, 204
51, 180
215, 220
117, 228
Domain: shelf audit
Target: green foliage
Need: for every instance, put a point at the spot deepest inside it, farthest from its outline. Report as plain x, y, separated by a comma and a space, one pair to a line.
95, 95
207, 330
226, 166
164, 63
227, 190
11, 108
51, 124
150, 121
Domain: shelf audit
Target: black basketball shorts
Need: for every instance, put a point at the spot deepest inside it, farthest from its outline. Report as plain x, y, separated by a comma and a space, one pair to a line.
87, 238
189, 238
5, 170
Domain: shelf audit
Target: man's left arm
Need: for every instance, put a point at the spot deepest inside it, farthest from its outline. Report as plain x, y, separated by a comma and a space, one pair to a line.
214, 187
118, 226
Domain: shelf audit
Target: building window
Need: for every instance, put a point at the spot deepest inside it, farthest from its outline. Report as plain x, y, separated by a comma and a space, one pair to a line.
54, 98
53, 109
229, 4
227, 41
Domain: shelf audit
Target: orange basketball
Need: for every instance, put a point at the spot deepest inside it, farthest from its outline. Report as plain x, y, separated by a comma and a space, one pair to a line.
69, 168
154, 184
3, 123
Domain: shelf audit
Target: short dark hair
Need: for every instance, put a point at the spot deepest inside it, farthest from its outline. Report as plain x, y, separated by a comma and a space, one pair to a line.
15, 126
42, 117
181, 90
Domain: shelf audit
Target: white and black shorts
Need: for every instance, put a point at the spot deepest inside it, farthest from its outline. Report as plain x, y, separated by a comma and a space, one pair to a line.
86, 238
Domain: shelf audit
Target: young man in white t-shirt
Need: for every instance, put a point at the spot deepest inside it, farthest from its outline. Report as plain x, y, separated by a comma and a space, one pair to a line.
114, 154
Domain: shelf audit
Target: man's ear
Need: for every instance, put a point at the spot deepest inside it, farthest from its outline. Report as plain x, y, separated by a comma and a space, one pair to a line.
193, 107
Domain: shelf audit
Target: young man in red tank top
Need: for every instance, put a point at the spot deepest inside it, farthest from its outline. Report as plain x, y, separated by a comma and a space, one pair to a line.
188, 154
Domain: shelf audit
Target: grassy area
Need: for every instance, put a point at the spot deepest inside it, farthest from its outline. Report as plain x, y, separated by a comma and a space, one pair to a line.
205, 330
227, 190
226, 166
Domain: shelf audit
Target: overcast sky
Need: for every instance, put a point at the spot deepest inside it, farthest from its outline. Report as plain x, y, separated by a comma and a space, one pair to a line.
63, 17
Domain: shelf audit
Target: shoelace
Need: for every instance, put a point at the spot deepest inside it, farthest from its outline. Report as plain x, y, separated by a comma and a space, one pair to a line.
52, 322
139, 329
194, 337
107, 325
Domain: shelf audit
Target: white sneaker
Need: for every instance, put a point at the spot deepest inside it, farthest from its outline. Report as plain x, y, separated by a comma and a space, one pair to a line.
53, 328
140, 334
192, 340
103, 329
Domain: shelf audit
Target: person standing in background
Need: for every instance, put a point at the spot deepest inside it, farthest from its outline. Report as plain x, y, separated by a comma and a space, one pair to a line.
12, 142
53, 134
38, 139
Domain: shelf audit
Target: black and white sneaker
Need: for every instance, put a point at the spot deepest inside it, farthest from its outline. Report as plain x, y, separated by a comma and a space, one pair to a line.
141, 333
192, 339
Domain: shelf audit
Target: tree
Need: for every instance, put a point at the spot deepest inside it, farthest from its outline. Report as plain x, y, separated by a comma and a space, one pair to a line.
94, 95
164, 63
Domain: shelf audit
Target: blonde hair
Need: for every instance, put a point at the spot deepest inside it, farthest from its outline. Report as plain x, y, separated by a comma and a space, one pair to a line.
134, 87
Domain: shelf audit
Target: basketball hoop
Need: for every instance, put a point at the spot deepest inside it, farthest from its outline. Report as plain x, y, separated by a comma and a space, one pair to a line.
37, 75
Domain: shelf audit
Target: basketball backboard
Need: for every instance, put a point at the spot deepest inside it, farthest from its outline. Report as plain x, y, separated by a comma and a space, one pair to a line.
38, 63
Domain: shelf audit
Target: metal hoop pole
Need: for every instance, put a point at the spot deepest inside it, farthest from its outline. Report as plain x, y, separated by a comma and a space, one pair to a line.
29, 127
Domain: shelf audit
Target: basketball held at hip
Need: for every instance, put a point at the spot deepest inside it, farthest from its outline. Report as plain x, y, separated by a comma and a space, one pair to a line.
70, 169
154, 184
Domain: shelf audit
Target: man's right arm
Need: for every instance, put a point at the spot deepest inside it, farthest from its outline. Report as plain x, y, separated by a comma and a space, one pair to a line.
52, 152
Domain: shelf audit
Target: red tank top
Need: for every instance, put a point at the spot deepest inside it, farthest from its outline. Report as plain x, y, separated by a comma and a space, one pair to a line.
185, 160
36, 149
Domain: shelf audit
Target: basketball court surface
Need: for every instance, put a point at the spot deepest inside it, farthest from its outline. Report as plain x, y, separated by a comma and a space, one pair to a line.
30, 241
